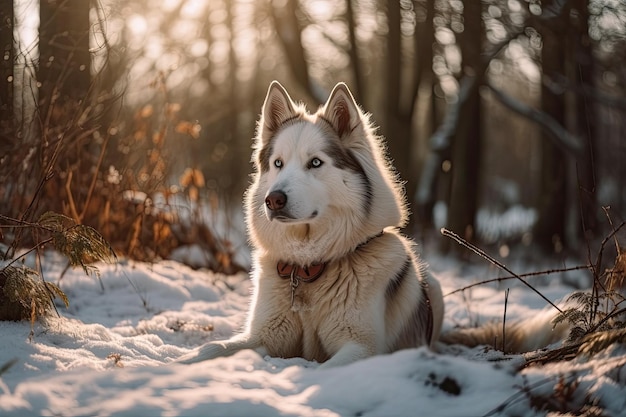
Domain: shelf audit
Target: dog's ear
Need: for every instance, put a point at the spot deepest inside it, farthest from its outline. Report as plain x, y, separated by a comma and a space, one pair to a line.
277, 107
341, 110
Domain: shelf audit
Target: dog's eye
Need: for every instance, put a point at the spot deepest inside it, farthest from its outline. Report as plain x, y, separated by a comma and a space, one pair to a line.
278, 163
315, 163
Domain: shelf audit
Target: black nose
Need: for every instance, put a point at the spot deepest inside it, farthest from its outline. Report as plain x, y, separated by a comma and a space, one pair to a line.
276, 200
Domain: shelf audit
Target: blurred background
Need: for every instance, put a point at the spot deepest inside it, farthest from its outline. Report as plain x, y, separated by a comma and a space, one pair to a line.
506, 118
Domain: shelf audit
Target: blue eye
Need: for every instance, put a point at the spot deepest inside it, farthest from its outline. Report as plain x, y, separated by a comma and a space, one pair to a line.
315, 163
278, 163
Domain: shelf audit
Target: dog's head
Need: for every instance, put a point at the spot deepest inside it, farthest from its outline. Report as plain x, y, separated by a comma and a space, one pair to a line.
319, 177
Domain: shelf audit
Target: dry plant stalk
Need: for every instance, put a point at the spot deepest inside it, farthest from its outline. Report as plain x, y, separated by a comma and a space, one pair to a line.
596, 319
495, 262
24, 294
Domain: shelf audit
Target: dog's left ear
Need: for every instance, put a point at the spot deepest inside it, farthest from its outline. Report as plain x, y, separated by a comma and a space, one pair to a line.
341, 110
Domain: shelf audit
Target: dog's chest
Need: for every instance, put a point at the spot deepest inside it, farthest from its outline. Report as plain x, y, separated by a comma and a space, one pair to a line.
317, 314
306, 300
329, 297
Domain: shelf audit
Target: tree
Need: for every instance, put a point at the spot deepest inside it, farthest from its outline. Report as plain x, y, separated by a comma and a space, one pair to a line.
550, 228
400, 95
424, 39
64, 59
63, 82
6, 70
357, 74
65, 108
289, 31
582, 71
466, 149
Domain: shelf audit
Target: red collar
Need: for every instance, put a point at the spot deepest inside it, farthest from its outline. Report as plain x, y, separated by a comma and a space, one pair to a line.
302, 273
311, 272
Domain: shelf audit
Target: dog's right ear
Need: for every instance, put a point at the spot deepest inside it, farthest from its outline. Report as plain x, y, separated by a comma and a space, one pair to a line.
277, 107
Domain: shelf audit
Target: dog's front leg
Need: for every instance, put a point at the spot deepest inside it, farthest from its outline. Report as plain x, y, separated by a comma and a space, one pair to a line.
348, 353
221, 348
272, 329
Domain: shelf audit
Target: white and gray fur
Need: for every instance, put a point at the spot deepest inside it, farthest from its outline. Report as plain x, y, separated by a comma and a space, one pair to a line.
325, 192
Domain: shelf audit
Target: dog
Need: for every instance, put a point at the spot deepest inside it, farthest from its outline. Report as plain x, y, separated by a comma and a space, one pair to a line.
334, 280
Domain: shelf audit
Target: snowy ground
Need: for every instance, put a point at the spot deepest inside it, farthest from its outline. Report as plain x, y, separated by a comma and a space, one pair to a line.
109, 354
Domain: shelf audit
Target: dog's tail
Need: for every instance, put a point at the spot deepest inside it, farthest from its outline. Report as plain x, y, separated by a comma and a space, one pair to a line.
519, 336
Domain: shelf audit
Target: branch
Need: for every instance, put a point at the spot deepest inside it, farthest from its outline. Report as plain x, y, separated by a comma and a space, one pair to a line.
70, 197
528, 274
94, 179
559, 81
34, 248
506, 302
559, 134
494, 261
441, 140
598, 263
606, 318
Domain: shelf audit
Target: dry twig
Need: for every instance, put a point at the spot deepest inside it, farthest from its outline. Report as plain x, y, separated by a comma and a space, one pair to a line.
495, 262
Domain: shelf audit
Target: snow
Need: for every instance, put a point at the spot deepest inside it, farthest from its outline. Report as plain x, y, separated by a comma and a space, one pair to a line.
110, 354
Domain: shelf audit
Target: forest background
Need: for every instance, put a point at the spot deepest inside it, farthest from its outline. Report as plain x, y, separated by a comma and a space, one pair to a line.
136, 117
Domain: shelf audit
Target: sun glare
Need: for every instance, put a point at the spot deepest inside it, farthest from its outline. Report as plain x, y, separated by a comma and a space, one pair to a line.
193, 8
137, 25
321, 9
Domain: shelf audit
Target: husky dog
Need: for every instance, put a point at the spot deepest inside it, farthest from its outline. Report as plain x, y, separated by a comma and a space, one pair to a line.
334, 279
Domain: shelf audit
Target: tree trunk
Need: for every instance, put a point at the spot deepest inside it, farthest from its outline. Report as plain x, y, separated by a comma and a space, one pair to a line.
395, 142
64, 106
466, 150
357, 74
6, 73
397, 120
289, 33
585, 117
64, 59
424, 196
550, 228
232, 134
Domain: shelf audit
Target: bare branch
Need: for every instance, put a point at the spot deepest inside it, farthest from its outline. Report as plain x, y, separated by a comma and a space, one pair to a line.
442, 138
559, 134
506, 302
560, 82
528, 274
494, 261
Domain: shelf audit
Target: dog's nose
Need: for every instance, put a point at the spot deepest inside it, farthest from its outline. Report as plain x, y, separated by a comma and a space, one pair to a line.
276, 200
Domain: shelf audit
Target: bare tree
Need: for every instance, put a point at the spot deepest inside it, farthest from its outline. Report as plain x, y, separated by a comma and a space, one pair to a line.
550, 228
400, 94
6, 71
289, 31
467, 146
353, 51
64, 59
582, 71
424, 39
394, 127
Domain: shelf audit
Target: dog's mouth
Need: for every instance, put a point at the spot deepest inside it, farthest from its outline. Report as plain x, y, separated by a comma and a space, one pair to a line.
284, 216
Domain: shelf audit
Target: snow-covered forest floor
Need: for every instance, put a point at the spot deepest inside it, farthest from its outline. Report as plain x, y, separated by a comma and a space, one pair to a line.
109, 353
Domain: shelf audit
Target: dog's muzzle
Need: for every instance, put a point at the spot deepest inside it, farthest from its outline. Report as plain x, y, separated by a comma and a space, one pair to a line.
275, 202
